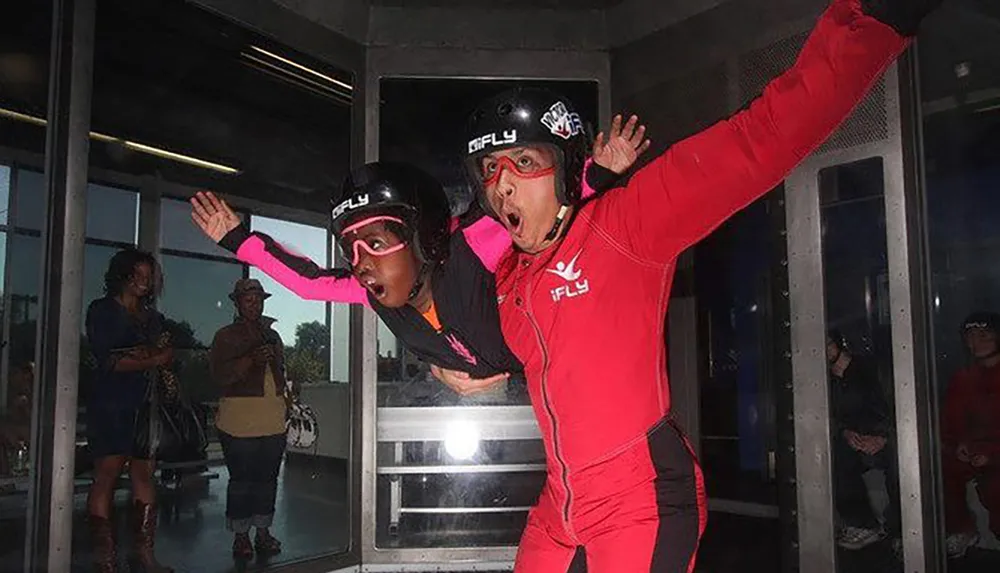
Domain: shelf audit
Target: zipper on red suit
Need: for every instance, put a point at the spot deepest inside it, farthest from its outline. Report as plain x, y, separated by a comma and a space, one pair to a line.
550, 411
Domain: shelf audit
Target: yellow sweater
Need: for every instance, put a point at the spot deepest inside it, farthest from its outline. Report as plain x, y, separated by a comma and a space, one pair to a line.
253, 416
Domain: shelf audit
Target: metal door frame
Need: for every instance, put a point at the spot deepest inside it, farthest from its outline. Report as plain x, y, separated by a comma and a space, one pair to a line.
817, 547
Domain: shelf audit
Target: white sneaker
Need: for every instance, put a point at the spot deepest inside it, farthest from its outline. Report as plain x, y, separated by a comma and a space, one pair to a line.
859, 537
958, 543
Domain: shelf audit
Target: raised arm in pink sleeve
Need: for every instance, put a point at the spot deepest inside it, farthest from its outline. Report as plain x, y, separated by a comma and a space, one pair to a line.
299, 274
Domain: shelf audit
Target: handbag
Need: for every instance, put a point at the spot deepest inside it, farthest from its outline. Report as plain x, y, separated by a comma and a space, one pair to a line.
148, 423
301, 429
169, 430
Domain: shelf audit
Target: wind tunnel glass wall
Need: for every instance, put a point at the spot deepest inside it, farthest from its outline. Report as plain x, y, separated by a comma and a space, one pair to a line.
25, 38
451, 471
184, 99
860, 367
959, 62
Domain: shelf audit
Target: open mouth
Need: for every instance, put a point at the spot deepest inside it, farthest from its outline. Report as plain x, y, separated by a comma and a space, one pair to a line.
514, 222
373, 286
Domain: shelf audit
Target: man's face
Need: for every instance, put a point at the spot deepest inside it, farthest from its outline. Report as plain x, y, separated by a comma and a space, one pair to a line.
520, 187
982, 342
832, 351
250, 305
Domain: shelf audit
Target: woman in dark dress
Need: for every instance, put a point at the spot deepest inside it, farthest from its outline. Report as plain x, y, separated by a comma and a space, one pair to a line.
125, 336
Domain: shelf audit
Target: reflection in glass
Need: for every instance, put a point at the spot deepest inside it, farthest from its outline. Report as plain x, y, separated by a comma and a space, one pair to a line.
859, 355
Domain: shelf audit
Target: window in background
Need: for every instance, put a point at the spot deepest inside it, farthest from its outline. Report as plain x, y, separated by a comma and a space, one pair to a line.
304, 325
191, 100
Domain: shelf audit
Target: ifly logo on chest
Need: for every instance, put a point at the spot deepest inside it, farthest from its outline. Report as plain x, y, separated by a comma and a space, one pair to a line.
576, 285
507, 137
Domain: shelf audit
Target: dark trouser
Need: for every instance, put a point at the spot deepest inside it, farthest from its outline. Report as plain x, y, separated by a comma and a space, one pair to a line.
253, 479
851, 493
957, 474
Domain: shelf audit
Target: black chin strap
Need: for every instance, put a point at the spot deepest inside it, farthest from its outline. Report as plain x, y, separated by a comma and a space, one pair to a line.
419, 283
560, 217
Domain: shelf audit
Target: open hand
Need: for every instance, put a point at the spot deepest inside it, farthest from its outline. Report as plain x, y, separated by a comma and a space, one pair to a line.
464, 384
623, 147
872, 445
963, 453
212, 215
263, 354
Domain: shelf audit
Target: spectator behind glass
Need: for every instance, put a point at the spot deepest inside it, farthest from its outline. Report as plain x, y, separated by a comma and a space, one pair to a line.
248, 363
862, 440
124, 331
970, 433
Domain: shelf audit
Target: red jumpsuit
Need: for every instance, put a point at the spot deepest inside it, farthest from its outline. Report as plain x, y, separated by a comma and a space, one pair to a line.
971, 417
586, 317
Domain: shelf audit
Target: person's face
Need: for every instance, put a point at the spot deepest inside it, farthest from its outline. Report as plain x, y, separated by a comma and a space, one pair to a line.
387, 271
141, 282
832, 351
519, 184
250, 305
982, 343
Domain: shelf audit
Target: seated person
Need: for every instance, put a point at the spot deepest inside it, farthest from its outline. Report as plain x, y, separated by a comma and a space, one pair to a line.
970, 433
861, 435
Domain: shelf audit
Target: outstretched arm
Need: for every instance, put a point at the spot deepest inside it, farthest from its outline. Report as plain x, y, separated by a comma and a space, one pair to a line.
297, 273
700, 182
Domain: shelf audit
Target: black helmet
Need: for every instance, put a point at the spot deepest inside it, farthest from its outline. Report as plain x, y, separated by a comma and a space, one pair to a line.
981, 319
529, 116
401, 190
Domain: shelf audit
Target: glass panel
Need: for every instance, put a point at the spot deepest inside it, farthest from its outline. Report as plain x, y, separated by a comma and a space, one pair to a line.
4, 193
859, 353
185, 99
29, 197
178, 232
196, 295
112, 213
302, 324
959, 61
442, 505
740, 352
25, 38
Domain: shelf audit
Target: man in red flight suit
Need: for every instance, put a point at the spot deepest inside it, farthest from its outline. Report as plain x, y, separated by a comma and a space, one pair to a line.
970, 433
583, 292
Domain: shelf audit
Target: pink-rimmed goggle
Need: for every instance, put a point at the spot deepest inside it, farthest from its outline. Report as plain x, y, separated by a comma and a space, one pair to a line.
504, 162
354, 247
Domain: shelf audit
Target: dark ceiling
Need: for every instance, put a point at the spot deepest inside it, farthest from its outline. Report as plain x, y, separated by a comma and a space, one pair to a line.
502, 4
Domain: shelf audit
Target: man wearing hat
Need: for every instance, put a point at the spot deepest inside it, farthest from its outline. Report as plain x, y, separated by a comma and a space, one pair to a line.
247, 362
